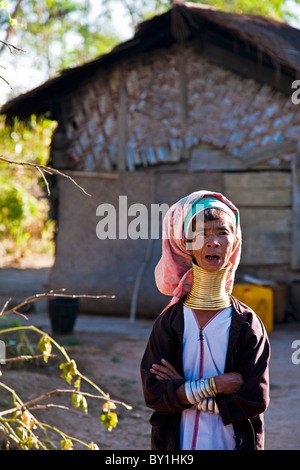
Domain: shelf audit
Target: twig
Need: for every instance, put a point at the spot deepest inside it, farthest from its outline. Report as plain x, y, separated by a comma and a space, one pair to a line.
10, 46
10, 29
4, 306
51, 293
66, 356
18, 313
7, 83
46, 182
26, 358
45, 169
50, 405
8, 433
32, 403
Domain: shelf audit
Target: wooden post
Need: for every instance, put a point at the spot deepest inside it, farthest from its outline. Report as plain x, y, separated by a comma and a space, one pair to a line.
182, 64
122, 122
295, 247
183, 93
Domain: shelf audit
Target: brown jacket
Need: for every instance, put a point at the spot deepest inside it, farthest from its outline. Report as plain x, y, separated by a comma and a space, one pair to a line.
248, 353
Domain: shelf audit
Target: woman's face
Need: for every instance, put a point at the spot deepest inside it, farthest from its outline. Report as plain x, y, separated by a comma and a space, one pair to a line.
217, 240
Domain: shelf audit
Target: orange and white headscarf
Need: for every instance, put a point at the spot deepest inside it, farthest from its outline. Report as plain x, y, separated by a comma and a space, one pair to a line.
173, 273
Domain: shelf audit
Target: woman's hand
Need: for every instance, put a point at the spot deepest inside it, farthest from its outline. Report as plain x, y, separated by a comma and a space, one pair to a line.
229, 382
168, 372
165, 371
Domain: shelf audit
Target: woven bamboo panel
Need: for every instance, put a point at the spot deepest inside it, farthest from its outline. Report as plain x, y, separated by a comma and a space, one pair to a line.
169, 108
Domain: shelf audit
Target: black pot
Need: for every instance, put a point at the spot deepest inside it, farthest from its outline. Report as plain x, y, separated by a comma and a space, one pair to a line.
63, 312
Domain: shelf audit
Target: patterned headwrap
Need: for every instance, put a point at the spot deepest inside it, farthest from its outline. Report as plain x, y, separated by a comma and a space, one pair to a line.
173, 273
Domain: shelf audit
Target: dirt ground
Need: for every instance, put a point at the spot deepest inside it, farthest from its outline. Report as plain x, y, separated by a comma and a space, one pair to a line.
111, 359
112, 362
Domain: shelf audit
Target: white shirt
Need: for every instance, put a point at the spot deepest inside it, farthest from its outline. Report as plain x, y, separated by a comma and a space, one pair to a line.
203, 359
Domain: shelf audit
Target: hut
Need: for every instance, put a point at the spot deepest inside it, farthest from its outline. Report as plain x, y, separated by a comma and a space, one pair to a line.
197, 99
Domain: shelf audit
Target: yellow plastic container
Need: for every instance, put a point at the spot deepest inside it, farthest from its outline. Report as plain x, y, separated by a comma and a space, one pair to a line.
260, 299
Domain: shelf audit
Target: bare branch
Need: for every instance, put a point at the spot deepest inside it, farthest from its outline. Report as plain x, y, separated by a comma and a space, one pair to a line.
32, 403
5, 306
46, 182
10, 29
26, 358
46, 169
10, 434
51, 293
10, 47
19, 313
2, 78
50, 405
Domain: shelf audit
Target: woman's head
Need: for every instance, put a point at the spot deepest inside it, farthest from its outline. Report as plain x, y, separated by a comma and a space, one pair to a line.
214, 239
173, 273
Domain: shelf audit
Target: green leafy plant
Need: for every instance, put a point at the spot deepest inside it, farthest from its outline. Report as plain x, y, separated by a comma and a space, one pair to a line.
24, 206
18, 424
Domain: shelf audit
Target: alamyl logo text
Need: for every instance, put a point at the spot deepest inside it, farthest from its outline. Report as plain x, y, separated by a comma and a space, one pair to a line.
296, 354
296, 94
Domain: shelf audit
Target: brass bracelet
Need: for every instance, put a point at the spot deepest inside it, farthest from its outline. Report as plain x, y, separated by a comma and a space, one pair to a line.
212, 385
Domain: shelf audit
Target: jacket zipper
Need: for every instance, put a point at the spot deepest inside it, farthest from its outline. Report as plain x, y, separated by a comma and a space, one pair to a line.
201, 366
196, 425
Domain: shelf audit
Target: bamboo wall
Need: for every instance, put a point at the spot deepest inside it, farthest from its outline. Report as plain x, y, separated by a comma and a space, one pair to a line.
163, 106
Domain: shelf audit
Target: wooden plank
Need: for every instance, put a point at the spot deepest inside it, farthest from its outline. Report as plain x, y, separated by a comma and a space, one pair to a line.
261, 250
92, 174
273, 151
260, 197
258, 179
209, 159
295, 246
122, 122
266, 220
266, 236
259, 189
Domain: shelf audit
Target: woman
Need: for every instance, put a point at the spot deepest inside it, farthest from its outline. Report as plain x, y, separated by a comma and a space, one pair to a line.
205, 367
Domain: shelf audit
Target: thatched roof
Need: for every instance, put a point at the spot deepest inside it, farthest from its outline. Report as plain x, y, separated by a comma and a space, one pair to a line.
276, 41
